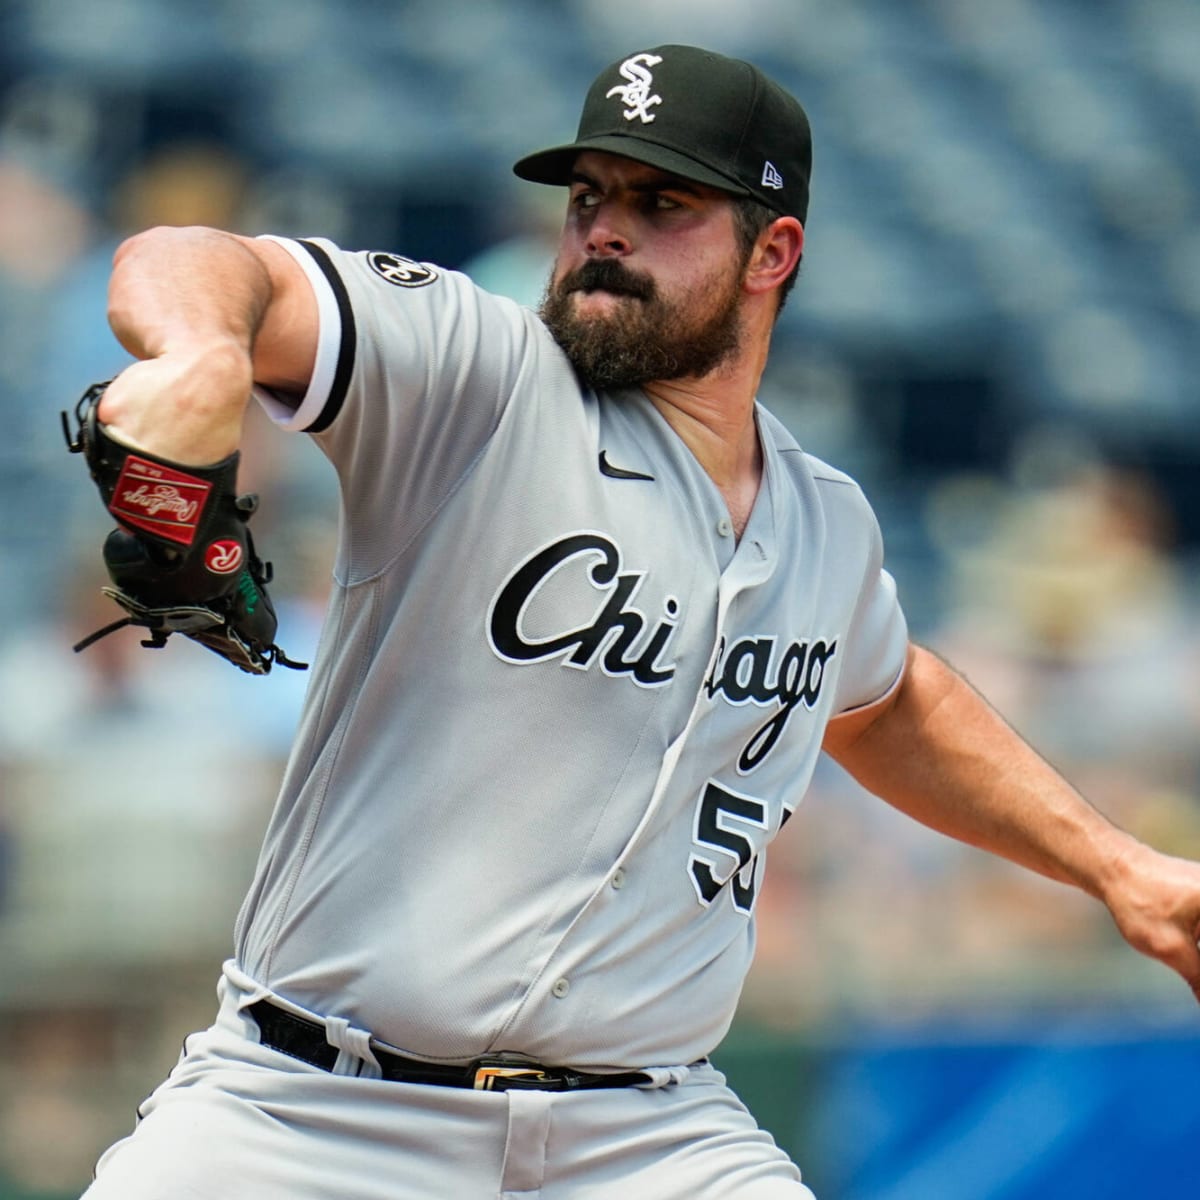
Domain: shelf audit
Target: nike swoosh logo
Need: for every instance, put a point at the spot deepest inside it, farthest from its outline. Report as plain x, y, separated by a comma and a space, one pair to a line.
606, 468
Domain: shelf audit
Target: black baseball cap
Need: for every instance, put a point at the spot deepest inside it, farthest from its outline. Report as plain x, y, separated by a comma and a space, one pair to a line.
698, 115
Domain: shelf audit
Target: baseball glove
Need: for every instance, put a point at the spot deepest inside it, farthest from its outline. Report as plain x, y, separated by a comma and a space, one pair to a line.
182, 560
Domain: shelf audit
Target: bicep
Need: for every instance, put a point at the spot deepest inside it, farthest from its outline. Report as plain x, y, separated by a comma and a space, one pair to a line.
942, 755
285, 347
936, 750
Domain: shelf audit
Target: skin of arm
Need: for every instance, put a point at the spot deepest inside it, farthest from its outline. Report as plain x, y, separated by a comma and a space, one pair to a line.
207, 314
939, 753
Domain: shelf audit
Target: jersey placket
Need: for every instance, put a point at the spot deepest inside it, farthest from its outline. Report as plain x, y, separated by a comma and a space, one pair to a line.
751, 565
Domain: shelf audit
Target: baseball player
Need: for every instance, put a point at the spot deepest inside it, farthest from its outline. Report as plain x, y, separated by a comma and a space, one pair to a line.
595, 615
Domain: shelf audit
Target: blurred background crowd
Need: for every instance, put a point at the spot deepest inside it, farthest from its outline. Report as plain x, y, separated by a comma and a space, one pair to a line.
994, 332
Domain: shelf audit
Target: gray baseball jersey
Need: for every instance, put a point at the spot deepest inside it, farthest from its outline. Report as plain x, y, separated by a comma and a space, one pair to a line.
558, 711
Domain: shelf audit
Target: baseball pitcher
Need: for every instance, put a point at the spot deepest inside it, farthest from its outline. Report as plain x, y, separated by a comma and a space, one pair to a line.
595, 616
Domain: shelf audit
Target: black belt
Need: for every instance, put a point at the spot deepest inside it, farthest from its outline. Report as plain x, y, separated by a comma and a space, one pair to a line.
305, 1040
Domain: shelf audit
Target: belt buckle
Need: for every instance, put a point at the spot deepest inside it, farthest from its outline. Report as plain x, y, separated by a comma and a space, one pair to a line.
499, 1072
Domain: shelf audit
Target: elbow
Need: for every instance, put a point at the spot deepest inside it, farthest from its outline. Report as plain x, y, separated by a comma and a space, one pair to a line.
161, 244
182, 284
136, 258
155, 238
147, 242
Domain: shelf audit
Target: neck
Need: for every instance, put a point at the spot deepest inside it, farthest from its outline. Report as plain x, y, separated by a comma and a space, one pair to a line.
713, 415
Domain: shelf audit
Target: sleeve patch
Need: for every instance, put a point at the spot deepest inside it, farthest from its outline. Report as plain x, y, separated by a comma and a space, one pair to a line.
399, 271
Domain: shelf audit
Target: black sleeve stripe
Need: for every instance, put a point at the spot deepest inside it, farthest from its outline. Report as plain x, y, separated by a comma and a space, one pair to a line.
349, 339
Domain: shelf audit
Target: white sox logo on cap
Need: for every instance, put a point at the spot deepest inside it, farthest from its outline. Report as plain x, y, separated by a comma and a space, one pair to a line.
696, 115
636, 93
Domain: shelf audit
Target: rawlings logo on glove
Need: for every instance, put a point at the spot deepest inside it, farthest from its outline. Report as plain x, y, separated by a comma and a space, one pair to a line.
151, 496
182, 560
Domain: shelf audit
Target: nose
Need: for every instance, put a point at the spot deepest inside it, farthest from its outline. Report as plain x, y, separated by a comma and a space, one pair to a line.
607, 236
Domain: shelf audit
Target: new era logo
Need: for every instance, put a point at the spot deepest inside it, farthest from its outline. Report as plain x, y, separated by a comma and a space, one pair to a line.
771, 177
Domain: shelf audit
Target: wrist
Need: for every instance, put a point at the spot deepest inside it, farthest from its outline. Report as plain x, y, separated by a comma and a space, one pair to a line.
215, 364
1116, 862
186, 404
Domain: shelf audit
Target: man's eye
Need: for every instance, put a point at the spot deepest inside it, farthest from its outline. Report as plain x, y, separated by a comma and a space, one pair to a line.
586, 200
662, 201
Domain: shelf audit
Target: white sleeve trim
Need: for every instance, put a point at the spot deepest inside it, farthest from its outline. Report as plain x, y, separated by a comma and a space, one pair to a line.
298, 417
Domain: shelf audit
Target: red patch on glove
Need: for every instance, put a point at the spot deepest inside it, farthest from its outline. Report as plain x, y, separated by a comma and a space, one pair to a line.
160, 500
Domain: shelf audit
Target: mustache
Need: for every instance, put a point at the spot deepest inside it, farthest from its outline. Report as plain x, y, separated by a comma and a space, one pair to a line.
607, 275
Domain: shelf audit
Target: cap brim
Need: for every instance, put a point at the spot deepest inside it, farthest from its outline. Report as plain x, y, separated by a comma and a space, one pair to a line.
554, 166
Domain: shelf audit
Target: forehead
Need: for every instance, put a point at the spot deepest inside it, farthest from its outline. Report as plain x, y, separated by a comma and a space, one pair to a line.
614, 170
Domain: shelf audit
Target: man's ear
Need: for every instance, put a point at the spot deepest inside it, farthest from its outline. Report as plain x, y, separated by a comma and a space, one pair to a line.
775, 255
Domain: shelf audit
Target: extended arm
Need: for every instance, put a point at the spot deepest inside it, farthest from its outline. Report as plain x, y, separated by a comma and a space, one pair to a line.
941, 754
208, 314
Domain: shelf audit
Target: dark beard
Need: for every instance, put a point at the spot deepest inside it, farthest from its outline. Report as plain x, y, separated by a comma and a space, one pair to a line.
645, 338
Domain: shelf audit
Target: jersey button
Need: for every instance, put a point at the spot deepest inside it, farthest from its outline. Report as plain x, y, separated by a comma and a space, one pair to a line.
561, 988
618, 878
725, 527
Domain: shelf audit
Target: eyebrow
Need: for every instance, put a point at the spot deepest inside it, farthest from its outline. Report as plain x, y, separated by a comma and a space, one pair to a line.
665, 183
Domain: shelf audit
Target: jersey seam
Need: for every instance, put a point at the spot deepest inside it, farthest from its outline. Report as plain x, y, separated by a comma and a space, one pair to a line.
390, 565
403, 548
816, 475
319, 800
523, 996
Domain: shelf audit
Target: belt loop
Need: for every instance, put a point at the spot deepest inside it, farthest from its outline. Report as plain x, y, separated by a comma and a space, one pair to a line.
241, 992
249, 990
355, 1056
661, 1077
524, 1170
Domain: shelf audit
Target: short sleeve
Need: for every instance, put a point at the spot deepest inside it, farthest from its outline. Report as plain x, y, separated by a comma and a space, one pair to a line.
414, 368
876, 645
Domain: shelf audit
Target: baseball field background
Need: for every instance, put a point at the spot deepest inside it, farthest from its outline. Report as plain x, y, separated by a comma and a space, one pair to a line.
995, 331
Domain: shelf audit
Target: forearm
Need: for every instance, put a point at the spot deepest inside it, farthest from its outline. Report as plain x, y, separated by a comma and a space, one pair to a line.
942, 755
172, 287
189, 303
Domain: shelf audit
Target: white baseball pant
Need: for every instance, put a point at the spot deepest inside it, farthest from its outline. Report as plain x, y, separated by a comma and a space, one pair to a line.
236, 1118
